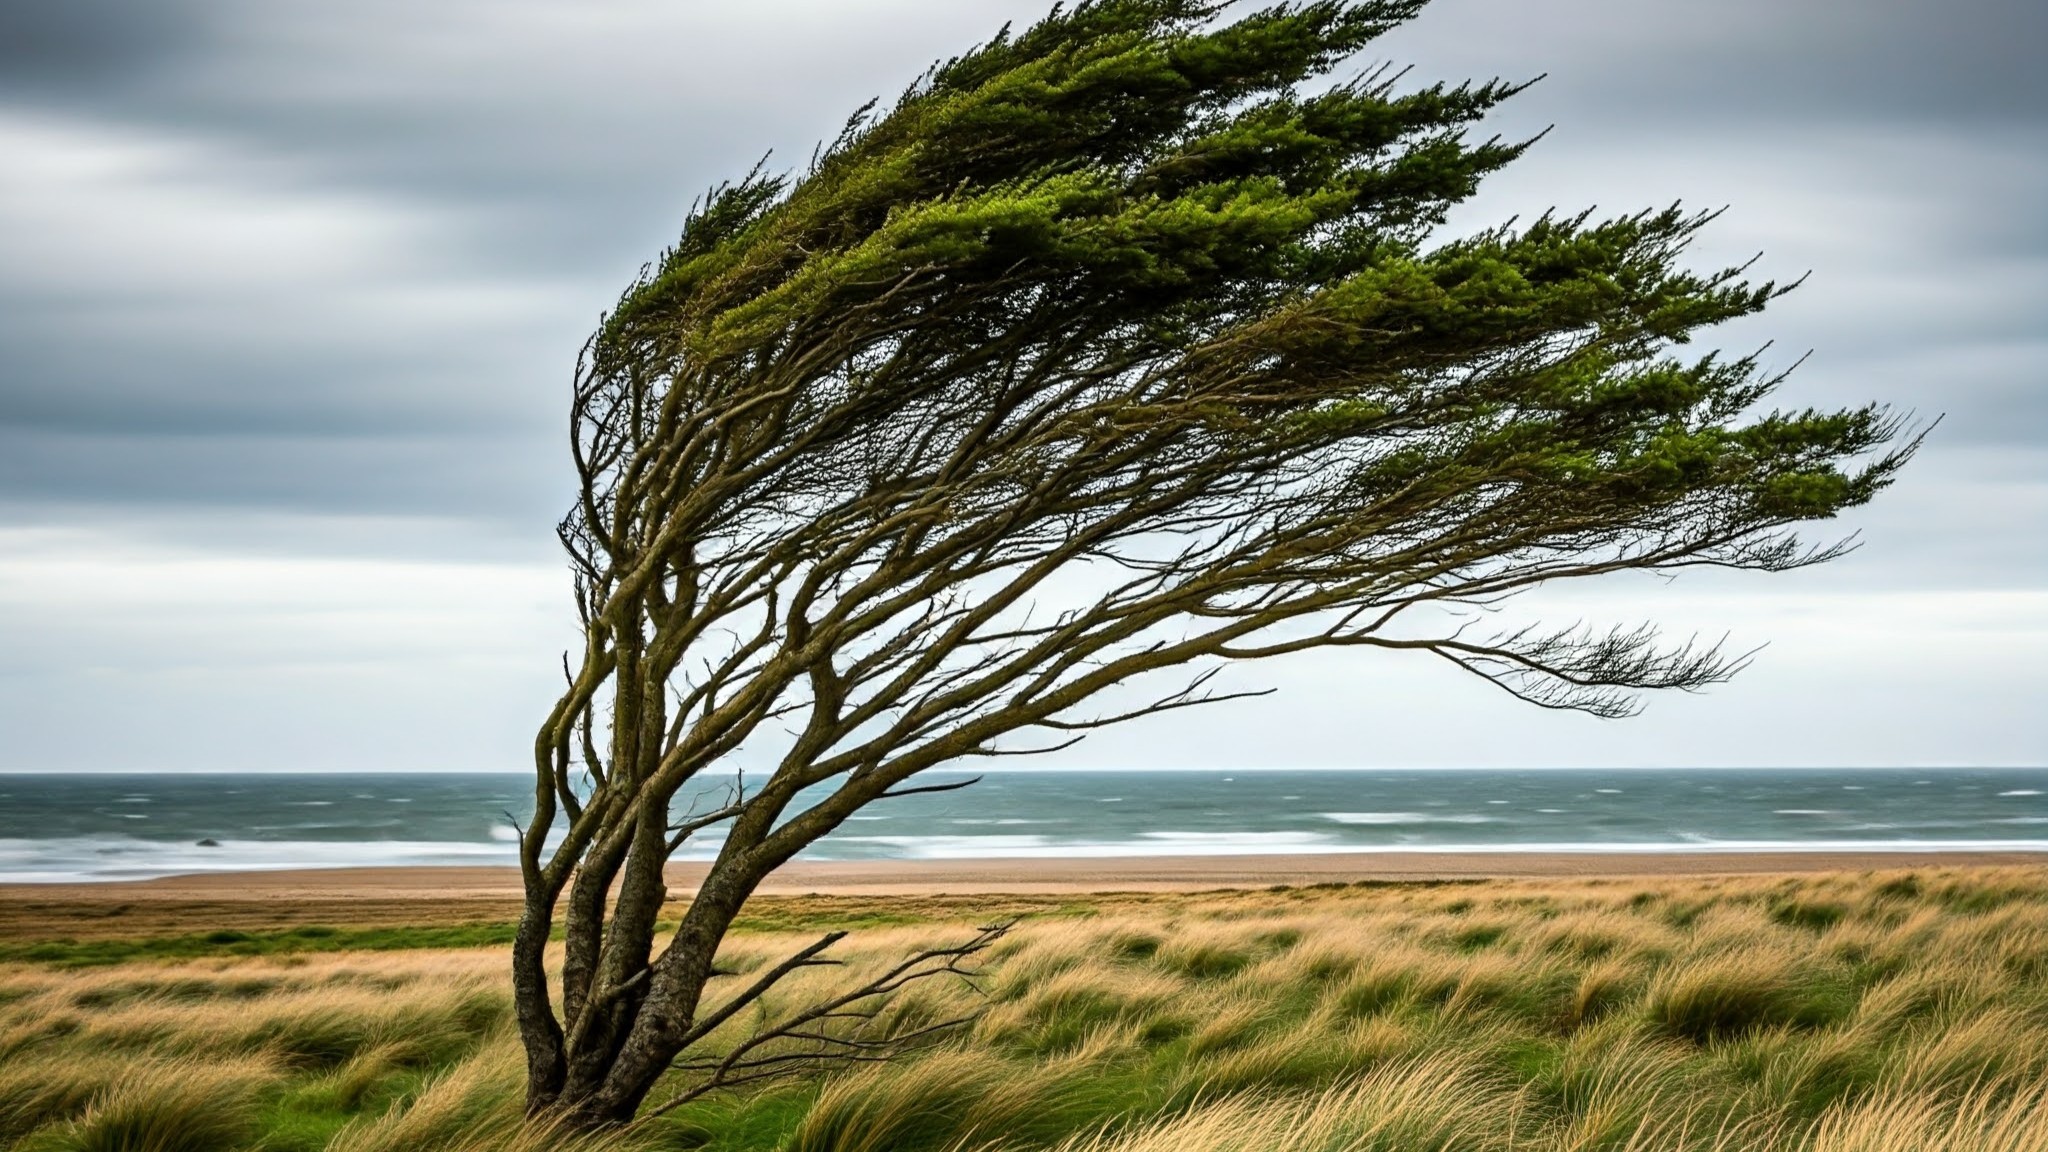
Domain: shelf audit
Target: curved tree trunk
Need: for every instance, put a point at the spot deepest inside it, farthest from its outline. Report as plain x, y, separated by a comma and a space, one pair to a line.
1062, 374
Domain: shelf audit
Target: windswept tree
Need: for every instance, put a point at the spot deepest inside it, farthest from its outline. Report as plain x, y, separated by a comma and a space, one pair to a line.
1116, 349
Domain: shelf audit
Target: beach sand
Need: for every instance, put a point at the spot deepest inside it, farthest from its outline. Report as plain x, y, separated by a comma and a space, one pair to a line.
377, 896
1031, 875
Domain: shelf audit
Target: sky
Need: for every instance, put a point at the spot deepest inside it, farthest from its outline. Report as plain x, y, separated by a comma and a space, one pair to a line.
290, 291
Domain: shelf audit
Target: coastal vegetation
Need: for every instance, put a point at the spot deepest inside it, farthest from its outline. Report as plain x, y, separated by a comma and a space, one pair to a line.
1885, 1012
1117, 350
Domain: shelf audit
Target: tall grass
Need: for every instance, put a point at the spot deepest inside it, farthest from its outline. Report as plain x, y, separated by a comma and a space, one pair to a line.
175, 1106
1851, 1013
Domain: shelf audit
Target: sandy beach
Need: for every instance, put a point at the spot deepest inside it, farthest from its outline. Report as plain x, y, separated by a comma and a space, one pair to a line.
1018, 876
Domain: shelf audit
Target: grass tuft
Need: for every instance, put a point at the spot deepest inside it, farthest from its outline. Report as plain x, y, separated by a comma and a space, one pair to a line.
1725, 996
187, 1106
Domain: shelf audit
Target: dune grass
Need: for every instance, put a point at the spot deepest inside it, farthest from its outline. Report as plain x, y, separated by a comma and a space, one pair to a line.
73, 953
1848, 1013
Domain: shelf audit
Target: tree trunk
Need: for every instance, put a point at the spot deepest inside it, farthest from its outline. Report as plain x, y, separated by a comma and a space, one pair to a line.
540, 1034
631, 1024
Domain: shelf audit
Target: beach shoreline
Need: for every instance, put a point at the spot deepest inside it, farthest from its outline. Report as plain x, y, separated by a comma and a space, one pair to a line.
412, 896
1027, 875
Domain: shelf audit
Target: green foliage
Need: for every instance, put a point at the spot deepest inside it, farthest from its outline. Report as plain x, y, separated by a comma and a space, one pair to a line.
1143, 178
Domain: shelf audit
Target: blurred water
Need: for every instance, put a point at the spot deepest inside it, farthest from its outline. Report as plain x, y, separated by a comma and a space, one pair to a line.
109, 827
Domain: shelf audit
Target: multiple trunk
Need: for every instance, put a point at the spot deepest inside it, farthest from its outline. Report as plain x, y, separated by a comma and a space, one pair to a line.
1103, 354
620, 1027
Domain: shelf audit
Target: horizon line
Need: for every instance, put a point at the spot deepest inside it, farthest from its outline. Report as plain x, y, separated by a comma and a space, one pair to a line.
1054, 769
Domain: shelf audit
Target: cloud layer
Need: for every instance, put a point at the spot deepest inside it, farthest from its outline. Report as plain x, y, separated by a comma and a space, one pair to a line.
288, 293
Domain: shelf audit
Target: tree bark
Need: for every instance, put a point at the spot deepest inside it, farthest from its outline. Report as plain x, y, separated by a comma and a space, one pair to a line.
630, 1043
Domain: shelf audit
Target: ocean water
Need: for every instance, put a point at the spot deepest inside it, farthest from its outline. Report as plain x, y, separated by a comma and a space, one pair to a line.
72, 827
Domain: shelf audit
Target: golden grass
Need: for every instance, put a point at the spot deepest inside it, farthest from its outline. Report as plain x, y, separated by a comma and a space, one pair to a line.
1833, 1013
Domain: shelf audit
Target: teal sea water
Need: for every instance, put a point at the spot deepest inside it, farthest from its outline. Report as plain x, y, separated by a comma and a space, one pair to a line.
72, 827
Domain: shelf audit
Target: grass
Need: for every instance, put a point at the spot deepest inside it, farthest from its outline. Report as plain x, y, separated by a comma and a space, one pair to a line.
25, 936
234, 942
1892, 1012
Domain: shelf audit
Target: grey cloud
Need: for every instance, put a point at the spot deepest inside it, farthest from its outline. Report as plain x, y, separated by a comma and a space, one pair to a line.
71, 45
1814, 61
472, 379
289, 290
478, 477
462, 146
625, 109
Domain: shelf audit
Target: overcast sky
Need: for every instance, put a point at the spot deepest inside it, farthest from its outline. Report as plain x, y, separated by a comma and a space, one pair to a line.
289, 293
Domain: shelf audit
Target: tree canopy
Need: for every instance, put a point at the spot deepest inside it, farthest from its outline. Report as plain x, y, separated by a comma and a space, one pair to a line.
1127, 343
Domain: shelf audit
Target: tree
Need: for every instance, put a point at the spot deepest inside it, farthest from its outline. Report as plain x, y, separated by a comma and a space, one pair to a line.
1113, 348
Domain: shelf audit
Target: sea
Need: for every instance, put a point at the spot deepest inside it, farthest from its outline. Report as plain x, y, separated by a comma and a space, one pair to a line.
57, 828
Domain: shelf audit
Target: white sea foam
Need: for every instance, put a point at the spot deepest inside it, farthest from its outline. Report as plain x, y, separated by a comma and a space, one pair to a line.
1257, 844
1237, 839
2022, 792
122, 858
1405, 818
955, 847
1042, 847
127, 858
1800, 812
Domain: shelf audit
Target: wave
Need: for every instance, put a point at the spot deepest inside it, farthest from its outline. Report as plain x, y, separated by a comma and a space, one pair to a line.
946, 847
1237, 839
1156, 844
126, 858
1405, 818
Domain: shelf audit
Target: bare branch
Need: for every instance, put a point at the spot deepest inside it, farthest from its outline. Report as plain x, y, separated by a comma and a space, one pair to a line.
955, 786
815, 1048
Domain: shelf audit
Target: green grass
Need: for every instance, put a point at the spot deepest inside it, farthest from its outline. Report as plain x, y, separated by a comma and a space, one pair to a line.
1892, 1013
228, 942
787, 914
